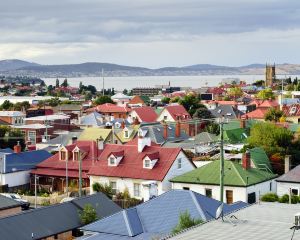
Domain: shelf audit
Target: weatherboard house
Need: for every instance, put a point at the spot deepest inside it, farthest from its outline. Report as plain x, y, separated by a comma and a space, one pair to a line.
242, 181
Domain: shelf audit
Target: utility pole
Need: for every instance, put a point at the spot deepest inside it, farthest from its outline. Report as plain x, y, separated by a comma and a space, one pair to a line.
80, 174
222, 162
102, 82
67, 180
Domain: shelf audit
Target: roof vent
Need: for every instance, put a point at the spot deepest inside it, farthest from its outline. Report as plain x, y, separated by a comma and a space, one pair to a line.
293, 110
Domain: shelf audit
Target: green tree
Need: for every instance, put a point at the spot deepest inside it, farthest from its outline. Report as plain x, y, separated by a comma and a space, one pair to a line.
272, 138
125, 91
88, 214
202, 112
103, 99
104, 188
6, 105
88, 96
235, 92
213, 128
266, 94
165, 100
273, 115
80, 86
185, 221
65, 83
57, 83
190, 103
174, 100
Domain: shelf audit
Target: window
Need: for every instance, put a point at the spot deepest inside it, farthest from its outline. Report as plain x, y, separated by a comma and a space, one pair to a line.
295, 191
112, 161
113, 186
179, 163
208, 192
186, 188
126, 134
63, 155
270, 186
32, 137
136, 189
165, 117
147, 163
76, 156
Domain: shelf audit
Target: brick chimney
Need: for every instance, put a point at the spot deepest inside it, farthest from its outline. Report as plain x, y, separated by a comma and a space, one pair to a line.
246, 161
165, 133
123, 124
287, 163
177, 129
17, 148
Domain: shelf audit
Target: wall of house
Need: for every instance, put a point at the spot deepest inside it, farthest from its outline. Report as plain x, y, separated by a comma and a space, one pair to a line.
132, 116
293, 119
284, 187
10, 211
165, 113
16, 178
61, 236
239, 193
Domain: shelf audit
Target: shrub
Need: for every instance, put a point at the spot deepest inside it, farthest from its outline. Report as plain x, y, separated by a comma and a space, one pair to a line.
284, 199
106, 189
45, 203
294, 199
185, 221
269, 197
88, 214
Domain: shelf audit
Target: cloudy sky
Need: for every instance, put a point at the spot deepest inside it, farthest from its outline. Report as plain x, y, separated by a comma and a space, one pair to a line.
151, 33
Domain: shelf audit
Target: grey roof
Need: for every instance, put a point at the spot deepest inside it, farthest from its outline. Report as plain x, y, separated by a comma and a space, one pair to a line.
92, 119
206, 137
156, 131
6, 203
227, 111
291, 176
157, 217
267, 221
48, 221
64, 139
67, 107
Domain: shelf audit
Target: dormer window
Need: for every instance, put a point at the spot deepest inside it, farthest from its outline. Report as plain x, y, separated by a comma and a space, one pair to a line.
126, 134
63, 155
147, 163
112, 161
115, 158
75, 156
150, 160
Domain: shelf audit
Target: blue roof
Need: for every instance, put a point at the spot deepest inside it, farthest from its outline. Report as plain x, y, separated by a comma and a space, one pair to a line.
6, 150
24, 160
157, 217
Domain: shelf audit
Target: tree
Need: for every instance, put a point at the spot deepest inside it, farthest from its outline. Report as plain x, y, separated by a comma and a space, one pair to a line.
106, 189
259, 83
174, 100
272, 138
266, 94
80, 86
165, 100
273, 115
125, 91
235, 92
103, 99
190, 103
88, 214
185, 221
202, 112
213, 128
88, 96
57, 83
65, 83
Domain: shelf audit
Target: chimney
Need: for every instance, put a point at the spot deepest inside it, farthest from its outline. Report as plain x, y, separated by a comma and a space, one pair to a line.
177, 129
246, 162
100, 143
242, 123
165, 133
17, 148
136, 121
142, 142
74, 139
123, 124
287, 163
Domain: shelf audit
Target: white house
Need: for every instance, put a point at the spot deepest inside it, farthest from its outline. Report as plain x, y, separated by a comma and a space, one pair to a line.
241, 182
173, 113
143, 169
289, 183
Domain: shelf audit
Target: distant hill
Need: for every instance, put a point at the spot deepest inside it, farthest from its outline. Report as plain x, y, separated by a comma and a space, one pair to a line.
23, 68
13, 64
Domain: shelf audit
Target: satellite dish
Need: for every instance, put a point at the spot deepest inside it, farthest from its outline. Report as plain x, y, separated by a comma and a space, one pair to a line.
219, 211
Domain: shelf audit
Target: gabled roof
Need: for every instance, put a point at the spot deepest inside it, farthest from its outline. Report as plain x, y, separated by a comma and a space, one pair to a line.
227, 111
146, 114
25, 160
293, 176
260, 159
120, 96
237, 135
157, 217
177, 111
132, 162
205, 137
264, 103
109, 108
258, 113
291, 110
119, 133
11, 114
92, 133
92, 119
235, 175
6, 203
48, 221
52, 166
118, 153
6, 150
136, 100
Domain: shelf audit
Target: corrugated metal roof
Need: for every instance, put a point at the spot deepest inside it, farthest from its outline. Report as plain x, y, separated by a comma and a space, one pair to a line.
6, 203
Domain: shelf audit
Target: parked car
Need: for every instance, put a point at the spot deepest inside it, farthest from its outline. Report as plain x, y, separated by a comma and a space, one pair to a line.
24, 203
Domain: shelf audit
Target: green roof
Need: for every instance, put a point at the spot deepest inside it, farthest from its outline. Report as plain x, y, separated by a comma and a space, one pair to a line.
260, 159
234, 124
146, 99
235, 175
158, 110
120, 134
93, 133
237, 135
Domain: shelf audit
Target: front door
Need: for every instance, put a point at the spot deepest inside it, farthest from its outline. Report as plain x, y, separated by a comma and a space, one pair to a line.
229, 196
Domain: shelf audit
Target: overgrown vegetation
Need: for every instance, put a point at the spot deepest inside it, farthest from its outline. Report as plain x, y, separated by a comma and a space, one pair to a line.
272, 197
104, 188
185, 221
88, 214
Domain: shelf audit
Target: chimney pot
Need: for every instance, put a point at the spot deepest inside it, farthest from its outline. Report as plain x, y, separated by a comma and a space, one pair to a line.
165, 133
17, 148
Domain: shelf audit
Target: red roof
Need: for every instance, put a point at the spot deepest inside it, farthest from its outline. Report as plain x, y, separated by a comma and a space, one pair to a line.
57, 168
136, 100
258, 113
264, 103
216, 90
131, 166
146, 114
291, 110
177, 111
118, 154
109, 108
